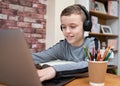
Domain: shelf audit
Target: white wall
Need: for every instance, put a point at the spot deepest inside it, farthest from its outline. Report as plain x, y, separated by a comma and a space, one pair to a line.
84, 3
53, 32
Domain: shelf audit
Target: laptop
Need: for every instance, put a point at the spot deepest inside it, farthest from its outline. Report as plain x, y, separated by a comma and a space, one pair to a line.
16, 65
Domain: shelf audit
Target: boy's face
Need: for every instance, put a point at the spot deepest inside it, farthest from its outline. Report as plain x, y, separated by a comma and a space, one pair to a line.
72, 27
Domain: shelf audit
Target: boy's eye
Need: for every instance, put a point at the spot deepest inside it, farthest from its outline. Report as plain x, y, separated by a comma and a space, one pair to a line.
69, 27
72, 27
63, 27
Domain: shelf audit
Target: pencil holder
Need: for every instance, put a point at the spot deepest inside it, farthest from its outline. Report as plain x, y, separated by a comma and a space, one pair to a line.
97, 71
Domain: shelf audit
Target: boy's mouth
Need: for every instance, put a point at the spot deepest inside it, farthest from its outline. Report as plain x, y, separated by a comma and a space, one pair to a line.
69, 37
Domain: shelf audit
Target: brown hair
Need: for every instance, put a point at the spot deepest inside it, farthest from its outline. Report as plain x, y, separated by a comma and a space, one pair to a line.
73, 9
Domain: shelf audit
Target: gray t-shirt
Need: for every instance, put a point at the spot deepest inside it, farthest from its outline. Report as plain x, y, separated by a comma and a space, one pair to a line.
64, 51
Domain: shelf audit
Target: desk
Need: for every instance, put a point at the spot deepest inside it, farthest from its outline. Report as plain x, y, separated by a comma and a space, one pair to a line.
110, 80
2, 85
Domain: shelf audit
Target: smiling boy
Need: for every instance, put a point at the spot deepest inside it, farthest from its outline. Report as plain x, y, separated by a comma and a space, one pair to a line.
75, 19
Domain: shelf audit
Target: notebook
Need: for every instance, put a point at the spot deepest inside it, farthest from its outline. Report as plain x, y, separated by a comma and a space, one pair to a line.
16, 65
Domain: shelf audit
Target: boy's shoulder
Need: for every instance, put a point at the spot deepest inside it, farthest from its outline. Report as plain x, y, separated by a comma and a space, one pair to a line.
91, 38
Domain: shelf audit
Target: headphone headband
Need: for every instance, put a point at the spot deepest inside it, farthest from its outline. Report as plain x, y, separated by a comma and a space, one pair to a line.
87, 23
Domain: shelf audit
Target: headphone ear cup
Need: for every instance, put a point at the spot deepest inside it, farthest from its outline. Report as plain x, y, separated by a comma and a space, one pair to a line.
61, 27
87, 25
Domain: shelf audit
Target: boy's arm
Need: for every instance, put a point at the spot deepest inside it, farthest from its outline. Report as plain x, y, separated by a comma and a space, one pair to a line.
50, 54
64, 70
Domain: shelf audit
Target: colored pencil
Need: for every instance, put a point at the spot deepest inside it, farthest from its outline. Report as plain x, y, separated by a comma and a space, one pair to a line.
105, 53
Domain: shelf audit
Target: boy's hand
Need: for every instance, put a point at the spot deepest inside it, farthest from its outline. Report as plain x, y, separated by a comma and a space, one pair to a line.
46, 73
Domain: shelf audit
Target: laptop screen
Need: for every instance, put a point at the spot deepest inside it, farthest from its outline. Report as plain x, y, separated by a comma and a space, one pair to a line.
16, 64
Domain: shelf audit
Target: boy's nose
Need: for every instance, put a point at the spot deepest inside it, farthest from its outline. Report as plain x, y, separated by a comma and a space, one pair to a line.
68, 30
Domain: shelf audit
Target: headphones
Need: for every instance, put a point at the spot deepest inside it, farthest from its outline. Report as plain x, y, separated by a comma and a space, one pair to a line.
87, 25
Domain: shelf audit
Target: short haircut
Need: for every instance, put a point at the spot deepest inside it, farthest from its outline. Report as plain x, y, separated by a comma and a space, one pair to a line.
74, 9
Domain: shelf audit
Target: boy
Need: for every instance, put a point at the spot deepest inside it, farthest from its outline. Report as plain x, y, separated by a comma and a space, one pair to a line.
74, 21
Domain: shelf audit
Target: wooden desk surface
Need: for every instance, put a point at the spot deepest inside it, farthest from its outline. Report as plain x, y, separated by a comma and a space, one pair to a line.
110, 80
3, 85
